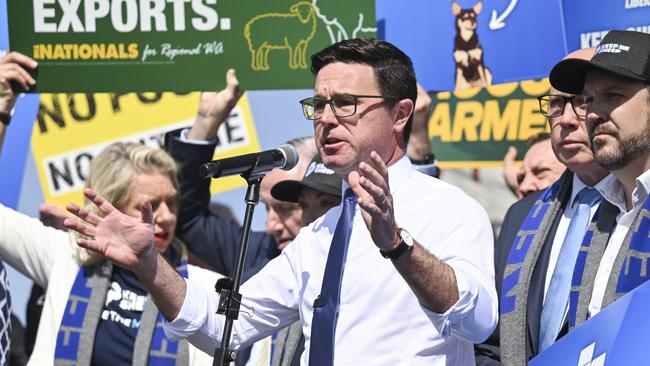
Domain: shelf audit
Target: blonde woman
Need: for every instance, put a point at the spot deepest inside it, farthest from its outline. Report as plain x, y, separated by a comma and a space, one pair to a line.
94, 312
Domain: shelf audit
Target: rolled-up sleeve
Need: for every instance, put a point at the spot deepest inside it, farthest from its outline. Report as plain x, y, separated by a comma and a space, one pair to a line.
469, 250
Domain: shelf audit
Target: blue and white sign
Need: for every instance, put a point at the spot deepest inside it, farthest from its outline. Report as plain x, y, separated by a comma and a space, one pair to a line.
519, 39
618, 335
587, 21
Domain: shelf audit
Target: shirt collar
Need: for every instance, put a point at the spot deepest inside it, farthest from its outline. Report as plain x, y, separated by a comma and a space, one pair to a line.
612, 190
603, 186
642, 188
578, 185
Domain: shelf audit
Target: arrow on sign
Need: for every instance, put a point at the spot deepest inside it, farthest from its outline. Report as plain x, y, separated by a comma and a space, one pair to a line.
496, 22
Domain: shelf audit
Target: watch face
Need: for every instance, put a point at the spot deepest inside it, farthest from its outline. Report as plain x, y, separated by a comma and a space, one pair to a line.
406, 237
405, 245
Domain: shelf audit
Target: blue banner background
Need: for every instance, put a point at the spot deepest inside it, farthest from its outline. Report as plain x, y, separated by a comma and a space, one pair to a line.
588, 20
529, 44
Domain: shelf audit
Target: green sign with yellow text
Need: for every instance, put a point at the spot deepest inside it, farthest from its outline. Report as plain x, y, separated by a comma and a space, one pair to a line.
179, 45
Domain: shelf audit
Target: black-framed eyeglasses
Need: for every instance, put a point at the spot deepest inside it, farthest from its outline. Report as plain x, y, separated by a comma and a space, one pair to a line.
343, 105
553, 105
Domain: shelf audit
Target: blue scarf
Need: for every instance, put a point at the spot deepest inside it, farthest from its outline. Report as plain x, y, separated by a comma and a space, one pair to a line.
522, 261
591, 252
631, 265
518, 272
629, 269
75, 339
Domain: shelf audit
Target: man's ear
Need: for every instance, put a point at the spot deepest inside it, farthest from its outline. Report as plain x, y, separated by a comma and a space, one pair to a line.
403, 111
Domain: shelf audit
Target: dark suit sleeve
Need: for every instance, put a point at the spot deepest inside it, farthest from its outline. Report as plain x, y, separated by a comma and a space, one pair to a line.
213, 239
488, 353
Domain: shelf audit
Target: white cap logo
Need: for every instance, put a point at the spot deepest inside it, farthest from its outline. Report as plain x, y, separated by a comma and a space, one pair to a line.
315, 167
612, 48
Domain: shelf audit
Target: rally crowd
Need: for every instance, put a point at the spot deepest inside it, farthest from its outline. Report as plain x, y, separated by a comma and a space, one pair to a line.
367, 258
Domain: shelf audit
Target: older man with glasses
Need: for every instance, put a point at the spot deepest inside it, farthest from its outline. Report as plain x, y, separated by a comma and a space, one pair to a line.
534, 281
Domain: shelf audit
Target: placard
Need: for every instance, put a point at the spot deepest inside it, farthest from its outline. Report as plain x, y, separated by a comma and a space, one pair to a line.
73, 128
475, 127
179, 45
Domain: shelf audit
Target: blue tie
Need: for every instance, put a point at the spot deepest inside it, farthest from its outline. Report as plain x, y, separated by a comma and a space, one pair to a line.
326, 305
557, 296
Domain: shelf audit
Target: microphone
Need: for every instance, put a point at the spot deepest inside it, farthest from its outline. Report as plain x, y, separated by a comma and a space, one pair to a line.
284, 157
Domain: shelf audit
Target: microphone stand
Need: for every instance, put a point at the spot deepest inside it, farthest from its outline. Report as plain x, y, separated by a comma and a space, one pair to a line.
228, 289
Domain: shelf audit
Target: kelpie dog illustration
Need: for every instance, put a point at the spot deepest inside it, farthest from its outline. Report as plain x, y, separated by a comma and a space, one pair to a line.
468, 53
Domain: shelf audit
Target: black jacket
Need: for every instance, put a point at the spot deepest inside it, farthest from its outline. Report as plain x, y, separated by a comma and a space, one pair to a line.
488, 353
213, 239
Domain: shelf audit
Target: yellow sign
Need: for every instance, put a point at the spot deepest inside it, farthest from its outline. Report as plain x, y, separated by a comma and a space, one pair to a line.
474, 127
72, 128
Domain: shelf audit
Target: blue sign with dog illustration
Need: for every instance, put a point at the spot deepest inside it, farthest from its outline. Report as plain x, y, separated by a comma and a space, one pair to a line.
459, 44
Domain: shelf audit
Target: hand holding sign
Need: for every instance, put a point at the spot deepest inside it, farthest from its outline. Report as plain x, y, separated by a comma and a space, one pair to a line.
14, 78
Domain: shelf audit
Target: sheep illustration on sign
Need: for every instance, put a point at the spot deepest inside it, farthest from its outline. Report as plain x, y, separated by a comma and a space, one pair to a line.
278, 31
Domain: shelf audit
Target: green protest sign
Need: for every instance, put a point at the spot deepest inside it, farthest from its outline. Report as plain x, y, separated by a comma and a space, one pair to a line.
179, 45
475, 127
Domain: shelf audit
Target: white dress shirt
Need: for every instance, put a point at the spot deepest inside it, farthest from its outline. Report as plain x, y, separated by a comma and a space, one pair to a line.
615, 194
381, 321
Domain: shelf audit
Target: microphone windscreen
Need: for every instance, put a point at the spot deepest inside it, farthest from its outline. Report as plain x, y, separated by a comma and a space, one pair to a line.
290, 156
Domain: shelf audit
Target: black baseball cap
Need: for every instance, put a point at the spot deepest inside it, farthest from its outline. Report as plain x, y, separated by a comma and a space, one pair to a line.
625, 53
317, 176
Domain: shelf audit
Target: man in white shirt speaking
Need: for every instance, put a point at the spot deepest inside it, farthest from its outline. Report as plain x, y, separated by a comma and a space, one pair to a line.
401, 273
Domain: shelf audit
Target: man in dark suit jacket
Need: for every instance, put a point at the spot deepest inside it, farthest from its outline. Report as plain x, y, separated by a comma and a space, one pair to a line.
213, 239
572, 147
488, 353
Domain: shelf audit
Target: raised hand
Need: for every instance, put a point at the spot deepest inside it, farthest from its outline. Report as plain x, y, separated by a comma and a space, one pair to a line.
432, 281
422, 106
419, 145
510, 169
13, 71
122, 239
370, 185
214, 109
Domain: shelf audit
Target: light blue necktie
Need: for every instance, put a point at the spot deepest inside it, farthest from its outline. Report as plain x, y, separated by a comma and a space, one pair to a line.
326, 306
557, 296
